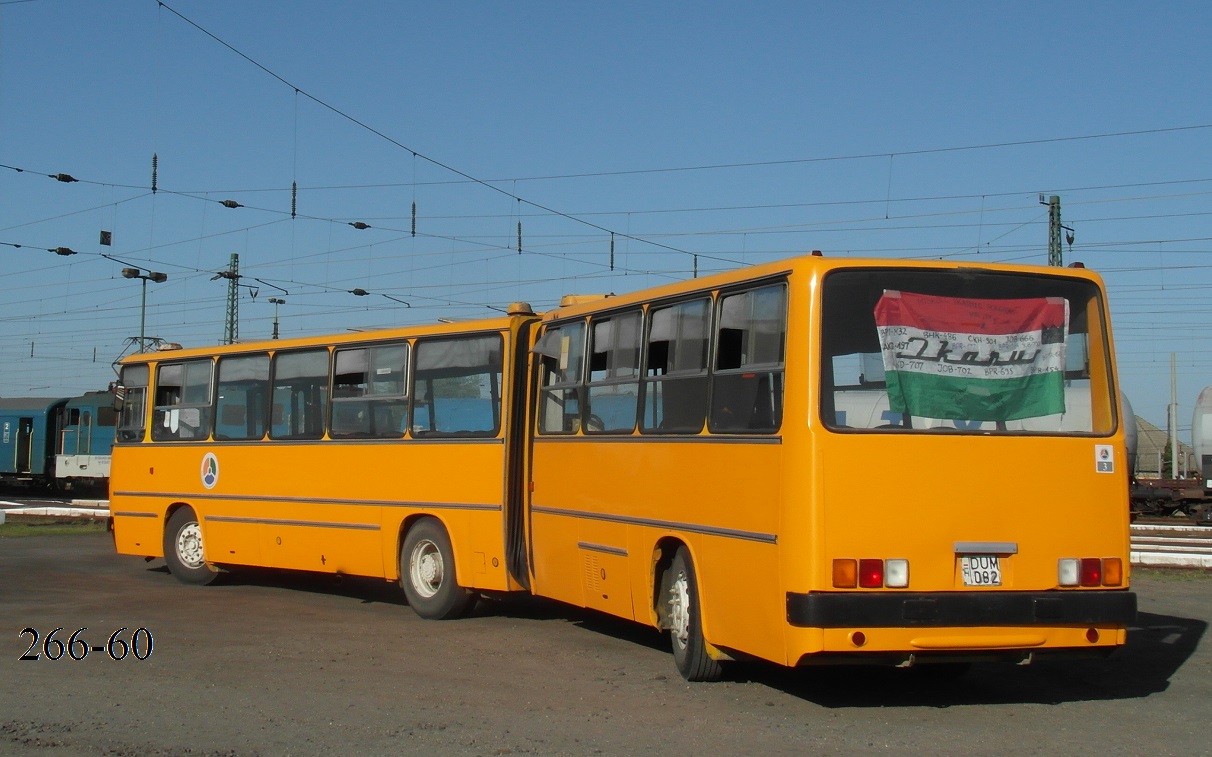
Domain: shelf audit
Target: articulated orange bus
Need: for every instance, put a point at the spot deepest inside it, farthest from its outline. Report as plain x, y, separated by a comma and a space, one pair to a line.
810, 461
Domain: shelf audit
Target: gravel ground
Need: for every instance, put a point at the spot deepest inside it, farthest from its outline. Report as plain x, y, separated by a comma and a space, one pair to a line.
267, 663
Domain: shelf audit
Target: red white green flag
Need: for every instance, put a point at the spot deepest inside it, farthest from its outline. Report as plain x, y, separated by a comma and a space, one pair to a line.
972, 359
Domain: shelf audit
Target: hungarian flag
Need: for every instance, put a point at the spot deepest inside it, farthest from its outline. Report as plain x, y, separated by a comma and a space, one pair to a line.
970, 359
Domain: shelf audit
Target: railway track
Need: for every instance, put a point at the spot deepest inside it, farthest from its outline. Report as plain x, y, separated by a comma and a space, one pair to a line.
1171, 545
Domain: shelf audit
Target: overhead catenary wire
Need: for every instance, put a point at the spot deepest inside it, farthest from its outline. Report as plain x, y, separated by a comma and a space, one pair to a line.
391, 140
466, 246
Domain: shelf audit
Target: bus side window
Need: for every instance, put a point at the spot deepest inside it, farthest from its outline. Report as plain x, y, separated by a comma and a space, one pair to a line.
183, 397
369, 392
299, 394
613, 395
132, 418
675, 386
747, 385
243, 393
561, 351
458, 386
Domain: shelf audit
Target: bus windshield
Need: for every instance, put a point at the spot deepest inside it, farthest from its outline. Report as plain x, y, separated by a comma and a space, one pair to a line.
965, 350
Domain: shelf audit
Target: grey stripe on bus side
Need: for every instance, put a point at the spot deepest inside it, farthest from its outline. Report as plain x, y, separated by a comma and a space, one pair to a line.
278, 522
310, 500
672, 525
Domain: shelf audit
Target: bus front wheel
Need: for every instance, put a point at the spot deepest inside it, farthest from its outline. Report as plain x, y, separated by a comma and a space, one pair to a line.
183, 552
427, 573
680, 592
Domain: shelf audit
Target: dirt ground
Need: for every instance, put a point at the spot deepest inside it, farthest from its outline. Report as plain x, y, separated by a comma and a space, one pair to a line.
274, 664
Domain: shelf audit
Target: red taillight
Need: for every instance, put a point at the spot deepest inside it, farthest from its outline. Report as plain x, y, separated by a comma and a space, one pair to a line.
871, 574
1091, 571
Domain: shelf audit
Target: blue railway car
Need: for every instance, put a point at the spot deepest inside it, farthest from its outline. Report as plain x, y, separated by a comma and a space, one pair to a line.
28, 437
86, 438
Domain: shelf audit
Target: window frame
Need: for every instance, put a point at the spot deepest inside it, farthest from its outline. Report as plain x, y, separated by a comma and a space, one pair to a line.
321, 392
1087, 331
613, 378
131, 423
722, 418
424, 380
368, 400
658, 384
570, 388
264, 394
184, 406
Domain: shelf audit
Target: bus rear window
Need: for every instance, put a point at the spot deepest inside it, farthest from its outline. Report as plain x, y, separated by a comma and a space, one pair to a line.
969, 351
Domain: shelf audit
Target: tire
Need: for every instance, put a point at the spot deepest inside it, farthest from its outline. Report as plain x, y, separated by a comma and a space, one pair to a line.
684, 620
183, 549
427, 573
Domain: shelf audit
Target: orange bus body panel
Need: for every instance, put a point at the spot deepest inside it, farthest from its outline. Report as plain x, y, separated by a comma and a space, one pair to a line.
567, 508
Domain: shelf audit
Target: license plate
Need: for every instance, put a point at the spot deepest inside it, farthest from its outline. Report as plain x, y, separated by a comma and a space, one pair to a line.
981, 570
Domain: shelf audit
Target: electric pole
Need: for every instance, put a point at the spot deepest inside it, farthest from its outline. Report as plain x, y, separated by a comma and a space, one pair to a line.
1175, 471
231, 331
1055, 256
1054, 230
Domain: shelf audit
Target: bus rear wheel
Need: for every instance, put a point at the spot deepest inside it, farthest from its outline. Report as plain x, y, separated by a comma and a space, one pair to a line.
183, 549
427, 573
680, 592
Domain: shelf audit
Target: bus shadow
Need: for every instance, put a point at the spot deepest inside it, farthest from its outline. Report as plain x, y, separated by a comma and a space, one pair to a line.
527, 607
1158, 646
367, 590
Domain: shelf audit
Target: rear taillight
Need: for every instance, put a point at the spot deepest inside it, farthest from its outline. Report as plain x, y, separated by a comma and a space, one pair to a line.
845, 574
1090, 571
896, 574
870, 573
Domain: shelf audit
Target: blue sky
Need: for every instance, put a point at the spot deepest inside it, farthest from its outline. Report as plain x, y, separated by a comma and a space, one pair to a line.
737, 133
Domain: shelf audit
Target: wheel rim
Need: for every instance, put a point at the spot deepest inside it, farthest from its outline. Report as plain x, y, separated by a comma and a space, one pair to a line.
425, 568
189, 546
679, 609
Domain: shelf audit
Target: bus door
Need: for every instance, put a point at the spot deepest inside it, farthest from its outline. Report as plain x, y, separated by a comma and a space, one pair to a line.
517, 453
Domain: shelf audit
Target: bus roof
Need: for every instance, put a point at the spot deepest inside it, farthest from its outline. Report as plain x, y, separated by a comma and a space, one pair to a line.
498, 323
572, 305
814, 264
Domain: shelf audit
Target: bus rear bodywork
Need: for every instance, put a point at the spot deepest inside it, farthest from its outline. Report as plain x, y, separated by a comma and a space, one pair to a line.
839, 461
981, 512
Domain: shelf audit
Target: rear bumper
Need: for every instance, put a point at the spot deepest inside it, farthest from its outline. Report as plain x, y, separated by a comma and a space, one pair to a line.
960, 609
